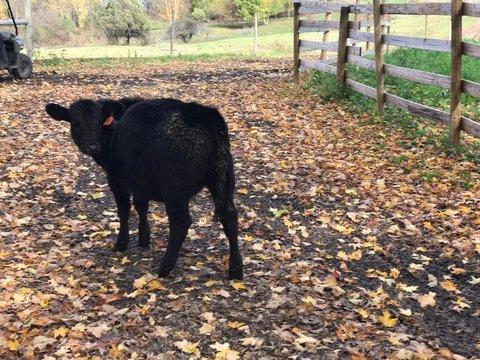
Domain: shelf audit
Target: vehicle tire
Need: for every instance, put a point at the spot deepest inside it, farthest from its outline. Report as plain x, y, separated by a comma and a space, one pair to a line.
24, 69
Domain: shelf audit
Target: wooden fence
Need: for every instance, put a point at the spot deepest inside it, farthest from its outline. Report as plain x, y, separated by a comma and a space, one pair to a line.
348, 51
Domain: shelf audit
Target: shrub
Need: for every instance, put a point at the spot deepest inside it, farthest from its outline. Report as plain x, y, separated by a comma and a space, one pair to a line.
122, 18
184, 29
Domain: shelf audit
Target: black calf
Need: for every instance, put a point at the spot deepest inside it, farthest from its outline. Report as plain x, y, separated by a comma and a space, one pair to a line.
163, 150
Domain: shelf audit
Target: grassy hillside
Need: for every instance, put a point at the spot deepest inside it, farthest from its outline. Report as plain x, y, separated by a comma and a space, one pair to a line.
275, 39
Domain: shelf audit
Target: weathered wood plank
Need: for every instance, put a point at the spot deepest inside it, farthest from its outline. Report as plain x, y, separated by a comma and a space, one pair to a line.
317, 65
417, 43
417, 9
361, 35
471, 9
317, 7
361, 62
471, 88
471, 49
331, 24
361, 9
377, 26
310, 45
417, 109
342, 45
471, 126
304, 29
456, 69
362, 88
324, 25
419, 76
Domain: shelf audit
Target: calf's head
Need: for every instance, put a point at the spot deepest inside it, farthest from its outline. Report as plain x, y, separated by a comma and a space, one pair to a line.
87, 119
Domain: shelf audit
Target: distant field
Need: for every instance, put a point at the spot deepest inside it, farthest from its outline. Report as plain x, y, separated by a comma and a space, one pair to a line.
275, 39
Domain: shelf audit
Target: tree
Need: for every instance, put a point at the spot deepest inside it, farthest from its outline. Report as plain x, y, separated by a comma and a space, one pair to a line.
246, 9
122, 18
170, 10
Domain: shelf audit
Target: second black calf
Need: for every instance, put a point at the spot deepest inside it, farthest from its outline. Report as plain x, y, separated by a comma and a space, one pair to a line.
162, 150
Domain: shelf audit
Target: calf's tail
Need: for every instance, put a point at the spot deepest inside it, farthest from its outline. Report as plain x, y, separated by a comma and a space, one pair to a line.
224, 183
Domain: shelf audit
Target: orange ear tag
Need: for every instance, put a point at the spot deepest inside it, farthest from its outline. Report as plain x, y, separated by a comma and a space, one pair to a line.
108, 121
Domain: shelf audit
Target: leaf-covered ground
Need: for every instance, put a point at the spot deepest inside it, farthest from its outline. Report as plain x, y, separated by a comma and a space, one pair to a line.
356, 244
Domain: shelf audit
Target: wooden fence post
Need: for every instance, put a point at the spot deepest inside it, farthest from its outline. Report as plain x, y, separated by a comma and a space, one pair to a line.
323, 54
28, 17
456, 82
296, 42
378, 30
367, 46
342, 45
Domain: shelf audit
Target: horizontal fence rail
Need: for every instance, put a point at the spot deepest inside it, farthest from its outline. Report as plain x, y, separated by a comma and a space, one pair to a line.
349, 51
318, 7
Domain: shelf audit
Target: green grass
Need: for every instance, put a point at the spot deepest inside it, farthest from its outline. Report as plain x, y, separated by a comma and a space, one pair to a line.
275, 39
415, 128
428, 95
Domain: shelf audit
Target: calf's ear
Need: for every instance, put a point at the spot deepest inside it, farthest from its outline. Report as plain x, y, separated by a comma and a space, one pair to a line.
114, 108
57, 112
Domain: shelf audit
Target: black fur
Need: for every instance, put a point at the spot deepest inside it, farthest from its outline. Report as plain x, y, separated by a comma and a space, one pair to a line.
163, 150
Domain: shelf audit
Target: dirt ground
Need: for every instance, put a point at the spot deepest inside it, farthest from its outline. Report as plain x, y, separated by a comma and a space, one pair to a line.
358, 243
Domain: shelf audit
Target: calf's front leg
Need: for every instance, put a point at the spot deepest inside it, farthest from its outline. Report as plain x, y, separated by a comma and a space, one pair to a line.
143, 226
122, 199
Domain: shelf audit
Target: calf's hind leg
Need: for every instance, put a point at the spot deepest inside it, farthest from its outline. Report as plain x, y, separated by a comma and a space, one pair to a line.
229, 219
179, 222
143, 226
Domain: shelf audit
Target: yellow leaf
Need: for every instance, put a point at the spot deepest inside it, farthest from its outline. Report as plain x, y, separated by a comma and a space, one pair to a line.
394, 340
427, 300
142, 281
243, 191
124, 260
364, 313
251, 341
235, 324
238, 285
449, 286
342, 255
387, 320
427, 225
394, 273
60, 332
206, 328
187, 346
155, 285
227, 354
13, 345
97, 195
248, 238
356, 255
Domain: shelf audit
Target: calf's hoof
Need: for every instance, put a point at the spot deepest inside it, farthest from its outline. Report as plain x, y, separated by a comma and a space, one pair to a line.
144, 242
235, 274
163, 273
120, 246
